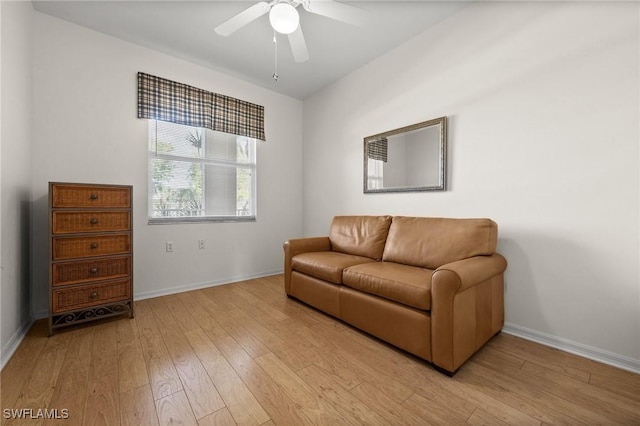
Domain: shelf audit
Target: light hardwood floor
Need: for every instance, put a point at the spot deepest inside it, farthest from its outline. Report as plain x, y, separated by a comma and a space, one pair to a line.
245, 354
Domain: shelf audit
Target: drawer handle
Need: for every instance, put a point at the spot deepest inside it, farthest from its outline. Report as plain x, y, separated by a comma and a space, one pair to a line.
94, 245
93, 270
94, 221
93, 295
94, 196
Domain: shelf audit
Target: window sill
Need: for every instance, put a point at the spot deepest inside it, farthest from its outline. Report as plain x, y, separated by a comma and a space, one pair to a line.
209, 219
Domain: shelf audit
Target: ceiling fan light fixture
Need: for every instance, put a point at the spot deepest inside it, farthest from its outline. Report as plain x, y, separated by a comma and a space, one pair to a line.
284, 18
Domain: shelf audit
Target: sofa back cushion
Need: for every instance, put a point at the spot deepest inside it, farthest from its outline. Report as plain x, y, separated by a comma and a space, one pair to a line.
360, 235
432, 242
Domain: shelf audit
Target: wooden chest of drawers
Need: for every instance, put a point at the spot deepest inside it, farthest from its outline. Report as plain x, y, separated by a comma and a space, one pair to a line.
91, 252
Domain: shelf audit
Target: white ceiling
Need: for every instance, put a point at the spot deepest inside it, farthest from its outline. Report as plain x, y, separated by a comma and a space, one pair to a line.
185, 29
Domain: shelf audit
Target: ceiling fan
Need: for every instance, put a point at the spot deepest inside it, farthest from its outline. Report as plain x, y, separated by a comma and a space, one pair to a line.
284, 19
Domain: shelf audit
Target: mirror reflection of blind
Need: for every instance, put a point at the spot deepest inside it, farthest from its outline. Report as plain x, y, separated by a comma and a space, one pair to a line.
377, 149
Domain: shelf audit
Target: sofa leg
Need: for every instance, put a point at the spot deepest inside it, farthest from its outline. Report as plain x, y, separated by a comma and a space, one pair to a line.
446, 372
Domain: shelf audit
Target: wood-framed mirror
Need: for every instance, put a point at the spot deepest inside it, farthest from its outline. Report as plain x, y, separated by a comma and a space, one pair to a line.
408, 159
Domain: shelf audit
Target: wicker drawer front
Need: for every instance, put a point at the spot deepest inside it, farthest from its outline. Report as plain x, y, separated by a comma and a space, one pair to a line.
66, 273
69, 196
90, 252
68, 299
65, 222
88, 246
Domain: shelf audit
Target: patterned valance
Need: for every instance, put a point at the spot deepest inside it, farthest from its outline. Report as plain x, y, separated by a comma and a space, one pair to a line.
377, 149
166, 100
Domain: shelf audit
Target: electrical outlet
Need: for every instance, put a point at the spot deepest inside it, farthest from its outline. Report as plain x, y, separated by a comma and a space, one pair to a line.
201, 244
169, 246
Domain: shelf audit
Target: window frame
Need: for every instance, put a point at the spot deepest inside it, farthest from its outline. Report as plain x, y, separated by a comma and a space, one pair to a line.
169, 220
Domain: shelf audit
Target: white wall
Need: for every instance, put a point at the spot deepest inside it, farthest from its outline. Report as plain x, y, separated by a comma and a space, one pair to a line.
543, 107
395, 169
421, 145
16, 37
85, 130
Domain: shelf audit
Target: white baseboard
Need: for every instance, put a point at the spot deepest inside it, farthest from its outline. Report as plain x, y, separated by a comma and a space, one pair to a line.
566, 345
204, 284
10, 348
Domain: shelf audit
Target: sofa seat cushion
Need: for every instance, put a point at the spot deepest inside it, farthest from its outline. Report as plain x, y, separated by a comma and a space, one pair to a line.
326, 265
408, 285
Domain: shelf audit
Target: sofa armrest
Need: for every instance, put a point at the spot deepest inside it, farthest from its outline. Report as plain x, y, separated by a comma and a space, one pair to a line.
467, 308
472, 271
297, 246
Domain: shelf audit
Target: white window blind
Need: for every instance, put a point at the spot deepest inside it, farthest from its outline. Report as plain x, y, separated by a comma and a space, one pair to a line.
198, 174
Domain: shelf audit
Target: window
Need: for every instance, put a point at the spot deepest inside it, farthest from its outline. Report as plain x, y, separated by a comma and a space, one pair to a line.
375, 174
376, 156
202, 152
198, 174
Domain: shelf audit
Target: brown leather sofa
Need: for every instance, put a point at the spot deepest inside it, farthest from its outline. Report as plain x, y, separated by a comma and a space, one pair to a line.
431, 286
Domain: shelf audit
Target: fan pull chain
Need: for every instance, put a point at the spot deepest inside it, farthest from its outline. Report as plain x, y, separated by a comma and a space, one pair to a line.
275, 58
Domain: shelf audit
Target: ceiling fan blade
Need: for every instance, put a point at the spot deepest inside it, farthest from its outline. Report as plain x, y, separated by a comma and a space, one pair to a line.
243, 18
334, 10
298, 46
